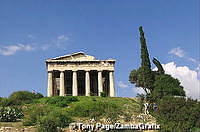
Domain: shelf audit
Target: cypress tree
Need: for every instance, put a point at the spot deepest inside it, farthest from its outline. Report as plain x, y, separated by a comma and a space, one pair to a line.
146, 76
144, 51
150, 80
159, 66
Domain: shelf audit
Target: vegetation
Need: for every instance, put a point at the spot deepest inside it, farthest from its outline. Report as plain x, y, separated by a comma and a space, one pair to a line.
165, 85
173, 111
46, 118
10, 114
98, 108
51, 113
19, 98
53, 121
156, 84
59, 101
103, 94
178, 114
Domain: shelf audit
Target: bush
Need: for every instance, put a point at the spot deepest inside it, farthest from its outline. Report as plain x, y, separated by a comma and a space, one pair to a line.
60, 101
96, 109
166, 85
19, 98
53, 121
103, 94
4, 102
47, 118
33, 113
47, 124
178, 114
10, 114
39, 114
22, 97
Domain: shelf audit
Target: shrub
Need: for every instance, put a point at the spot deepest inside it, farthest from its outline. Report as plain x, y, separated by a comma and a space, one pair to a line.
103, 94
47, 124
95, 109
178, 114
53, 121
61, 101
47, 118
166, 85
10, 114
33, 113
38, 95
4, 102
39, 114
19, 98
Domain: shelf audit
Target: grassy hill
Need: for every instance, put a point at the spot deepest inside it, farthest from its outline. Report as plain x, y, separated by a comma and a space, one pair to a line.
47, 112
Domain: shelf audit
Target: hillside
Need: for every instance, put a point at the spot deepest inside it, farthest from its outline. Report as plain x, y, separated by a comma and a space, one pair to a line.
64, 110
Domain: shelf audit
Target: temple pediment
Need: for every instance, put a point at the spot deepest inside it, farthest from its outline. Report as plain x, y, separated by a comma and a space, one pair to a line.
79, 56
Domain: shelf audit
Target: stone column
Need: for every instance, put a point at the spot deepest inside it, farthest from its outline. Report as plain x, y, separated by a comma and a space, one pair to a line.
50, 84
112, 87
100, 85
87, 83
74, 84
62, 83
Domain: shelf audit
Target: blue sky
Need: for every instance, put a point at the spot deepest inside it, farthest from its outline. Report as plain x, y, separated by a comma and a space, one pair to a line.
34, 30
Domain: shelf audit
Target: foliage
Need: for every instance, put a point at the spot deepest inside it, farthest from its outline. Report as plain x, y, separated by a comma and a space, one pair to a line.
98, 108
47, 112
159, 66
166, 85
47, 124
146, 74
10, 114
59, 101
135, 77
19, 98
45, 115
143, 77
156, 84
141, 98
4, 102
53, 121
95, 109
103, 94
178, 114
33, 113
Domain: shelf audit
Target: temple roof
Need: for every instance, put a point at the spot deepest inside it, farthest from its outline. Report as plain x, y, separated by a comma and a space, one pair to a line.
78, 56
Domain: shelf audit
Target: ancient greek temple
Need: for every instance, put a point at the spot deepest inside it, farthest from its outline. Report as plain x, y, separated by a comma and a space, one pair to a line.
79, 74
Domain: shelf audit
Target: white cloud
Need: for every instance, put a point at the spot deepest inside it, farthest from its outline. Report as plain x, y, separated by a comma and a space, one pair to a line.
181, 53
138, 90
177, 51
121, 84
62, 41
188, 78
45, 46
192, 60
63, 38
12, 49
31, 36
198, 71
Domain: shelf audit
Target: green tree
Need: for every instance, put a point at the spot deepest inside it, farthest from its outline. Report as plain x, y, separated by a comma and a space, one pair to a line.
166, 85
19, 98
146, 76
159, 66
178, 114
143, 77
155, 83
